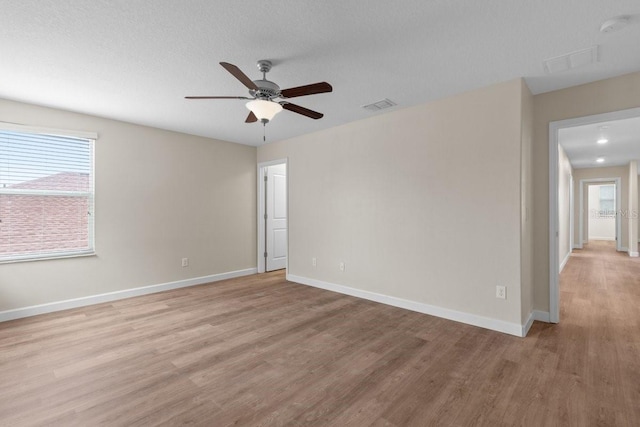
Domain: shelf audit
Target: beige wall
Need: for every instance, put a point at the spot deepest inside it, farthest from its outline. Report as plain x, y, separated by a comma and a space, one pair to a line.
594, 98
621, 172
399, 198
160, 196
565, 172
422, 204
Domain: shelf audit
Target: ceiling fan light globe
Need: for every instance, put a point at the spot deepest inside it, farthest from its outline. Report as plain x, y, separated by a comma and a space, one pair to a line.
264, 110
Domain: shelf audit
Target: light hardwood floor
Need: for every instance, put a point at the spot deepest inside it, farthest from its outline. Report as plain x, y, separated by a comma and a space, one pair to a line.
262, 351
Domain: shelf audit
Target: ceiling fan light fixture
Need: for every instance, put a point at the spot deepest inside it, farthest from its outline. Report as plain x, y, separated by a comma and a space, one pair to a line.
264, 110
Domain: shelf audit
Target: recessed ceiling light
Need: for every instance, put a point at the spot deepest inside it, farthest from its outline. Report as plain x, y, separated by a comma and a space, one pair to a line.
603, 141
600, 160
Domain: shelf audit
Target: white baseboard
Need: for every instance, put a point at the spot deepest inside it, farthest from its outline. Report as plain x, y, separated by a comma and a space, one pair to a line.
577, 246
609, 239
458, 316
634, 254
528, 324
564, 262
541, 316
34, 310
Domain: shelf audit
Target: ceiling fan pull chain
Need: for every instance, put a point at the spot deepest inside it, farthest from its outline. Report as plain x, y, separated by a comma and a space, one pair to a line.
264, 132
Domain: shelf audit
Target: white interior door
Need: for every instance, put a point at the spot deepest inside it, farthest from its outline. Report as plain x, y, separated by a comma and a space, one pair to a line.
276, 217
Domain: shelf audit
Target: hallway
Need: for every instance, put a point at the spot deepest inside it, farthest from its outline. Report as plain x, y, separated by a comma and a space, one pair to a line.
599, 331
600, 284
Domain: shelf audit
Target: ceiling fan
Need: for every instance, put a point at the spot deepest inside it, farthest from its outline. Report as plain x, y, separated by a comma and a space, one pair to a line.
262, 103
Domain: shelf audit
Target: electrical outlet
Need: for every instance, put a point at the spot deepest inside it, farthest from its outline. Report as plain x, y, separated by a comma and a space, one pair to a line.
501, 292
313, 261
185, 262
341, 266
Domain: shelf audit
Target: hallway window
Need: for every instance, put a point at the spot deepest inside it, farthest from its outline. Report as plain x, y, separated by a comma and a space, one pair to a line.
607, 200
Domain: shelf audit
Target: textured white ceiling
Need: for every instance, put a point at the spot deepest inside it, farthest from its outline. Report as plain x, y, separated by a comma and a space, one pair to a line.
580, 143
135, 60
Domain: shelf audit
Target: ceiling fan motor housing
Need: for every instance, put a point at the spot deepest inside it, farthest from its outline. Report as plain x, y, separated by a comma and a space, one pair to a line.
266, 90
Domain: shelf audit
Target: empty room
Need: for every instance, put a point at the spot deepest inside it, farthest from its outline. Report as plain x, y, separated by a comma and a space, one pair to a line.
303, 213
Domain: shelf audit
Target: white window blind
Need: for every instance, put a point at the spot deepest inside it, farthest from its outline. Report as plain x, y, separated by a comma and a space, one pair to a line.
46, 195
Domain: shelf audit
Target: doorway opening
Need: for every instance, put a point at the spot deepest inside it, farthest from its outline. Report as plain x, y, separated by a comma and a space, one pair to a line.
600, 202
273, 241
554, 221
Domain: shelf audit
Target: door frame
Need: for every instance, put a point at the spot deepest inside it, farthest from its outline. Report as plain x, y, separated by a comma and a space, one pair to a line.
554, 263
261, 238
572, 208
585, 183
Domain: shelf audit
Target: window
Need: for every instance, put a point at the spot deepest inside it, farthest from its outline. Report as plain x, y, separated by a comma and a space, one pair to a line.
46, 193
607, 201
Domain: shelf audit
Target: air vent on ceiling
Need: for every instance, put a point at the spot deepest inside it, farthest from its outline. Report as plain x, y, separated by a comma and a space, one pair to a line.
576, 59
379, 105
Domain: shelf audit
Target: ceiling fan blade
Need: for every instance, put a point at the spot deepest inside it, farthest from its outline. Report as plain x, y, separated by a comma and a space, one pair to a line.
301, 110
311, 89
238, 74
217, 97
251, 118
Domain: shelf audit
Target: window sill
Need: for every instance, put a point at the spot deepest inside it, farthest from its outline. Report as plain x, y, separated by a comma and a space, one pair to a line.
49, 257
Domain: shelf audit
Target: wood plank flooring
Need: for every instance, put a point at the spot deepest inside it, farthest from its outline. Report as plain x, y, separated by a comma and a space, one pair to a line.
261, 351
